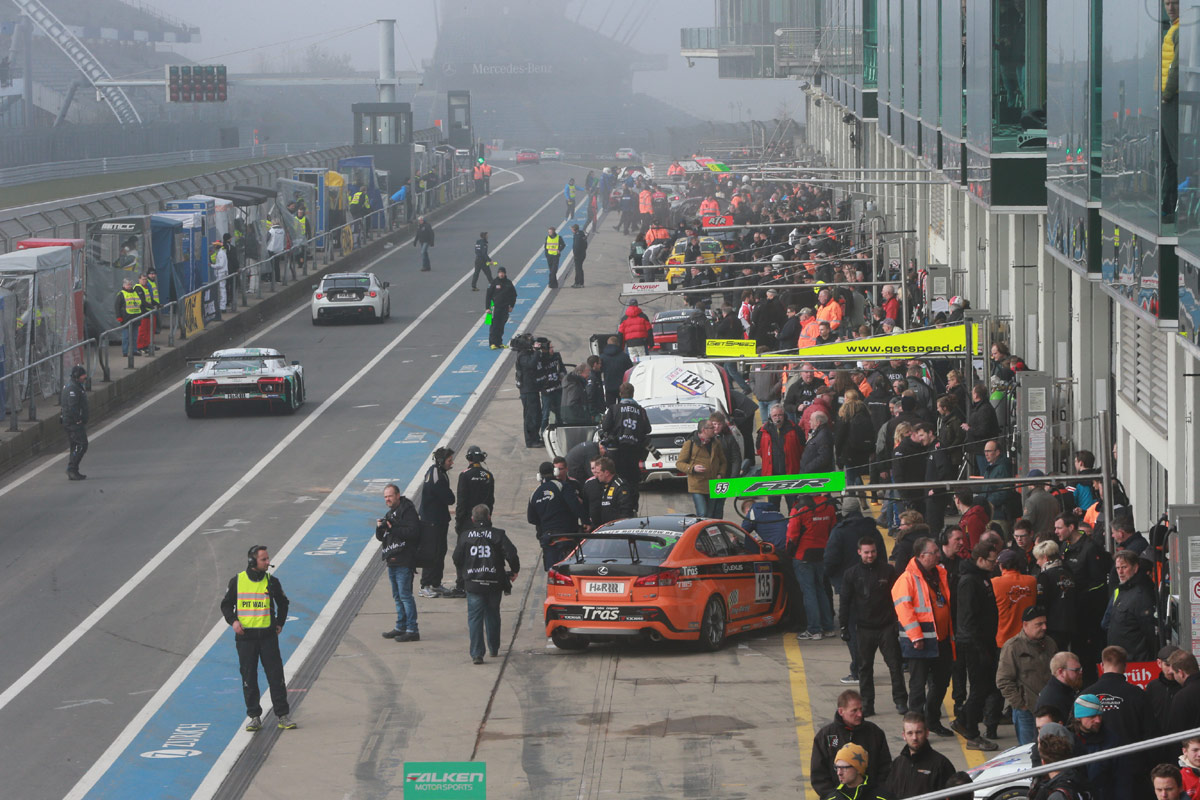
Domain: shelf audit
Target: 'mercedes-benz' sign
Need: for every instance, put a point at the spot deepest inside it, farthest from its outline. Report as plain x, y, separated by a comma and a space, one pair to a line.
511, 68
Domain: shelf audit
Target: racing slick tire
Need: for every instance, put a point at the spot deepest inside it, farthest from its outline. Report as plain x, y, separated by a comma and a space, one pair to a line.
1011, 793
191, 409
712, 625
568, 641
289, 400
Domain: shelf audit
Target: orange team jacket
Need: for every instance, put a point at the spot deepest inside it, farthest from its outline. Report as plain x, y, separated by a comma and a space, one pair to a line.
710, 207
1015, 592
832, 313
921, 616
809, 333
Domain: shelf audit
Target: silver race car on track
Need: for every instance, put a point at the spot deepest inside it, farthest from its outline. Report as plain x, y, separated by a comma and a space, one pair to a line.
246, 375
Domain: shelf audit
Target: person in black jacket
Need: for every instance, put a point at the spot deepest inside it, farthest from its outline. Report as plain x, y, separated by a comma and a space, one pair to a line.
1185, 708
476, 485
626, 430
1130, 616
73, 413
854, 440
975, 641
1161, 691
1056, 592
866, 603
554, 508
919, 768
424, 239
256, 607
981, 425
608, 496
579, 246
482, 554
908, 466
939, 467
1089, 564
1066, 678
400, 532
500, 298
818, 451
1127, 700
614, 362
528, 371
848, 726
436, 499
481, 261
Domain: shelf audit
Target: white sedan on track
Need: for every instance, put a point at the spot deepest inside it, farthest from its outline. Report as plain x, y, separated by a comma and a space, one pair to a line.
351, 295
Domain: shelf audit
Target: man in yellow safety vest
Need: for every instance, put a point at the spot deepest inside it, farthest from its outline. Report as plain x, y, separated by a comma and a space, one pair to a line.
256, 607
128, 306
554, 248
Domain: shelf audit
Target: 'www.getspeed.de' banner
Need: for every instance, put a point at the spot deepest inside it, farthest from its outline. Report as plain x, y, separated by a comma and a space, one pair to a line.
948, 341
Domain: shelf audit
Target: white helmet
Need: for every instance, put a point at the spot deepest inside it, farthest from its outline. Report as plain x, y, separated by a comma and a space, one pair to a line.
956, 301
778, 257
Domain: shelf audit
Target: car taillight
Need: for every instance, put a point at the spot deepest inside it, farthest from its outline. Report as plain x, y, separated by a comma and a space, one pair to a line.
372, 294
204, 382
664, 577
556, 578
319, 295
270, 384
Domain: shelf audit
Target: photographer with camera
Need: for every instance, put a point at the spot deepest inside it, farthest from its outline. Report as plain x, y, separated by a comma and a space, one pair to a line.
529, 366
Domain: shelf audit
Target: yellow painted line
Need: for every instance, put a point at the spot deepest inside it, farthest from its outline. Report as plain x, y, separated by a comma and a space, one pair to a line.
801, 707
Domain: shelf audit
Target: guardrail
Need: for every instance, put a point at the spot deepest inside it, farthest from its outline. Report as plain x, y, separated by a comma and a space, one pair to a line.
33, 173
295, 262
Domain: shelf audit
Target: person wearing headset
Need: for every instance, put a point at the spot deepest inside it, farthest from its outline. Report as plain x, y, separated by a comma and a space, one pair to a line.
256, 607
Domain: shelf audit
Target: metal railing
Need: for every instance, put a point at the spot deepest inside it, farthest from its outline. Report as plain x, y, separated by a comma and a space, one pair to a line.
726, 36
33, 173
296, 262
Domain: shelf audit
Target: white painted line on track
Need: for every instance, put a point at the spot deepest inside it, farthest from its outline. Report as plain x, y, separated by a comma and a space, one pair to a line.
88, 623
133, 412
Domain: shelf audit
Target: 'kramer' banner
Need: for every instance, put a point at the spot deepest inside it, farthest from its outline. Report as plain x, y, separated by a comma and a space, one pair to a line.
812, 483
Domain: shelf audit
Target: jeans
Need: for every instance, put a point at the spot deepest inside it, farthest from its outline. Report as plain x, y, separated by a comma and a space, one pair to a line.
425, 263
551, 404
401, 579
718, 508
817, 608
1026, 726
483, 613
764, 410
125, 341
704, 505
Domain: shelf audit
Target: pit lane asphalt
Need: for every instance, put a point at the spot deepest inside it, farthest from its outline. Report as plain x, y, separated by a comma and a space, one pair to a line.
68, 546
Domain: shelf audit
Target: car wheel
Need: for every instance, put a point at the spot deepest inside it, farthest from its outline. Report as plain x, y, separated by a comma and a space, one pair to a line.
379, 316
712, 625
289, 403
318, 321
568, 641
300, 395
1012, 793
191, 409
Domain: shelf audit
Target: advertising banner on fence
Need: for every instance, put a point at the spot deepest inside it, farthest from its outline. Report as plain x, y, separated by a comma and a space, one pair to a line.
812, 483
193, 314
948, 341
728, 347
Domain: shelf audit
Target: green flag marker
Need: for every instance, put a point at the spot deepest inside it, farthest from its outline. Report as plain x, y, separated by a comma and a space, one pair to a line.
813, 483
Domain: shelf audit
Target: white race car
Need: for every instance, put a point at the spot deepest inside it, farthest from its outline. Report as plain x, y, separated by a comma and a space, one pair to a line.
351, 295
244, 375
626, 154
1014, 761
676, 394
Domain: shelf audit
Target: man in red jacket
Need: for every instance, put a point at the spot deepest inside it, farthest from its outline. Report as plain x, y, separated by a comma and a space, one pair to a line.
636, 331
807, 535
779, 445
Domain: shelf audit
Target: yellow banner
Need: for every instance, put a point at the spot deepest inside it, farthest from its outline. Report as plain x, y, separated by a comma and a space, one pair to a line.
948, 341
729, 347
193, 314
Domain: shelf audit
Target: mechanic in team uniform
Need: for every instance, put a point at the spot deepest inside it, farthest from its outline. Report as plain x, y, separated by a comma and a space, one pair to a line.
74, 418
482, 554
436, 499
481, 261
608, 497
554, 508
475, 485
626, 430
256, 607
501, 297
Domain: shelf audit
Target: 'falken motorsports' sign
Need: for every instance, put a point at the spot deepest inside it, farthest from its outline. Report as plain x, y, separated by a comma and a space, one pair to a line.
812, 483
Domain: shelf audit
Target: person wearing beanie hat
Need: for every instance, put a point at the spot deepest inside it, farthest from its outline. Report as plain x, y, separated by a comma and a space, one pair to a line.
851, 764
849, 729
554, 508
1096, 731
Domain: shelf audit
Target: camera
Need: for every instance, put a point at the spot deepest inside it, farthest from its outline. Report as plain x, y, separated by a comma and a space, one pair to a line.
522, 343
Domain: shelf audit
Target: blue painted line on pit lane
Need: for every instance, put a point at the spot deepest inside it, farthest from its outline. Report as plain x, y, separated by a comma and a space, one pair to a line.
178, 746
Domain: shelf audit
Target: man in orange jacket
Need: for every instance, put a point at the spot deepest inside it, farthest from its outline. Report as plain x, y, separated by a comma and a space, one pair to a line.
829, 310
1015, 592
922, 598
646, 205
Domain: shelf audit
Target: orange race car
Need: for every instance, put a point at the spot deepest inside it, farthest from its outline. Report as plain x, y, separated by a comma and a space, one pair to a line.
664, 577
